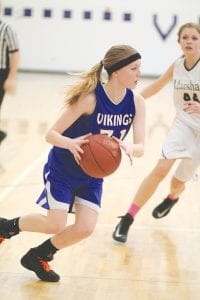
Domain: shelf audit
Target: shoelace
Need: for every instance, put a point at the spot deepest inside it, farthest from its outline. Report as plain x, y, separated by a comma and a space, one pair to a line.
45, 265
2, 239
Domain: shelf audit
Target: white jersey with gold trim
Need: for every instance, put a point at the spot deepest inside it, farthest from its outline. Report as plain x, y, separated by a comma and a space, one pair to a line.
186, 87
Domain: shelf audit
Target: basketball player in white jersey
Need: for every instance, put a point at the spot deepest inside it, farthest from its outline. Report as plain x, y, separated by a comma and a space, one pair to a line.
183, 140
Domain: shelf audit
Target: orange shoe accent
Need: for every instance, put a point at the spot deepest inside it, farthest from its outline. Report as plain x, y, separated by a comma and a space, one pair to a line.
45, 265
2, 239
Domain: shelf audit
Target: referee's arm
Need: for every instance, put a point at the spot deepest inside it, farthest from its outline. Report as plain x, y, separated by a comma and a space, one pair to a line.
14, 57
14, 64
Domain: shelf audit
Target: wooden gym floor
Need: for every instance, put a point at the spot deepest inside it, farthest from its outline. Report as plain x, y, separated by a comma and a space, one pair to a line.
160, 260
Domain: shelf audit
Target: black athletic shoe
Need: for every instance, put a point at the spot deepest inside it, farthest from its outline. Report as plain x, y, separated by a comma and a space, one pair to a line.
33, 262
163, 208
121, 230
2, 136
4, 232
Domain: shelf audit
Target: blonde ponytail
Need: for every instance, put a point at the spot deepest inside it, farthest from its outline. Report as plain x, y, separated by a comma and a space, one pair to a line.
87, 83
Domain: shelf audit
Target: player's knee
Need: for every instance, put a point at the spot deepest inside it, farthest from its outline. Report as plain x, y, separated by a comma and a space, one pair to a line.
84, 231
55, 228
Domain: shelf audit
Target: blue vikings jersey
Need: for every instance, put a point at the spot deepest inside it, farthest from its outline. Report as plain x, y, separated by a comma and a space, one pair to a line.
107, 118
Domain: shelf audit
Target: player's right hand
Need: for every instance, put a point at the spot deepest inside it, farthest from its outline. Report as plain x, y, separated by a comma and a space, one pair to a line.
75, 146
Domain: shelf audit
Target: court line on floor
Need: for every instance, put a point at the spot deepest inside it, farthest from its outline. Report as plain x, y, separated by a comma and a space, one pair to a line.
22, 176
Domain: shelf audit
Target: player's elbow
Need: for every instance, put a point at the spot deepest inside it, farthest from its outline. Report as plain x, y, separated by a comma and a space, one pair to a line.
139, 152
48, 137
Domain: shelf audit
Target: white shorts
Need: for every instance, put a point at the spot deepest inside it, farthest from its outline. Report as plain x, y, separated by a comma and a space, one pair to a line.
183, 142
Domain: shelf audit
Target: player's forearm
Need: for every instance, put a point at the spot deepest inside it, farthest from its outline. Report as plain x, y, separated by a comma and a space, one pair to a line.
56, 139
150, 90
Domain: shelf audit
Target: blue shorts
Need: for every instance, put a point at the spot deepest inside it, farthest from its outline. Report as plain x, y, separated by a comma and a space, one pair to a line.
61, 192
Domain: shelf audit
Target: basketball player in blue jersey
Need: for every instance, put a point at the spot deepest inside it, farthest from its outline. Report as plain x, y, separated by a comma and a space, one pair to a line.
183, 140
91, 107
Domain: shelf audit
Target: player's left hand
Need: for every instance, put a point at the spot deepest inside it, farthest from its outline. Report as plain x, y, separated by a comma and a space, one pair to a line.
127, 147
192, 107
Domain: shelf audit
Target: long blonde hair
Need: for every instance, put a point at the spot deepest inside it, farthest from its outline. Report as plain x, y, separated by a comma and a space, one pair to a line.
89, 79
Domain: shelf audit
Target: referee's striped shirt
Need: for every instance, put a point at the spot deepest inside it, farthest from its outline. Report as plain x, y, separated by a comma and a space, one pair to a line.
8, 44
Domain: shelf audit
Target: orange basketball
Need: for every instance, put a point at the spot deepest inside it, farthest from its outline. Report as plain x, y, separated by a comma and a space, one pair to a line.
101, 157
